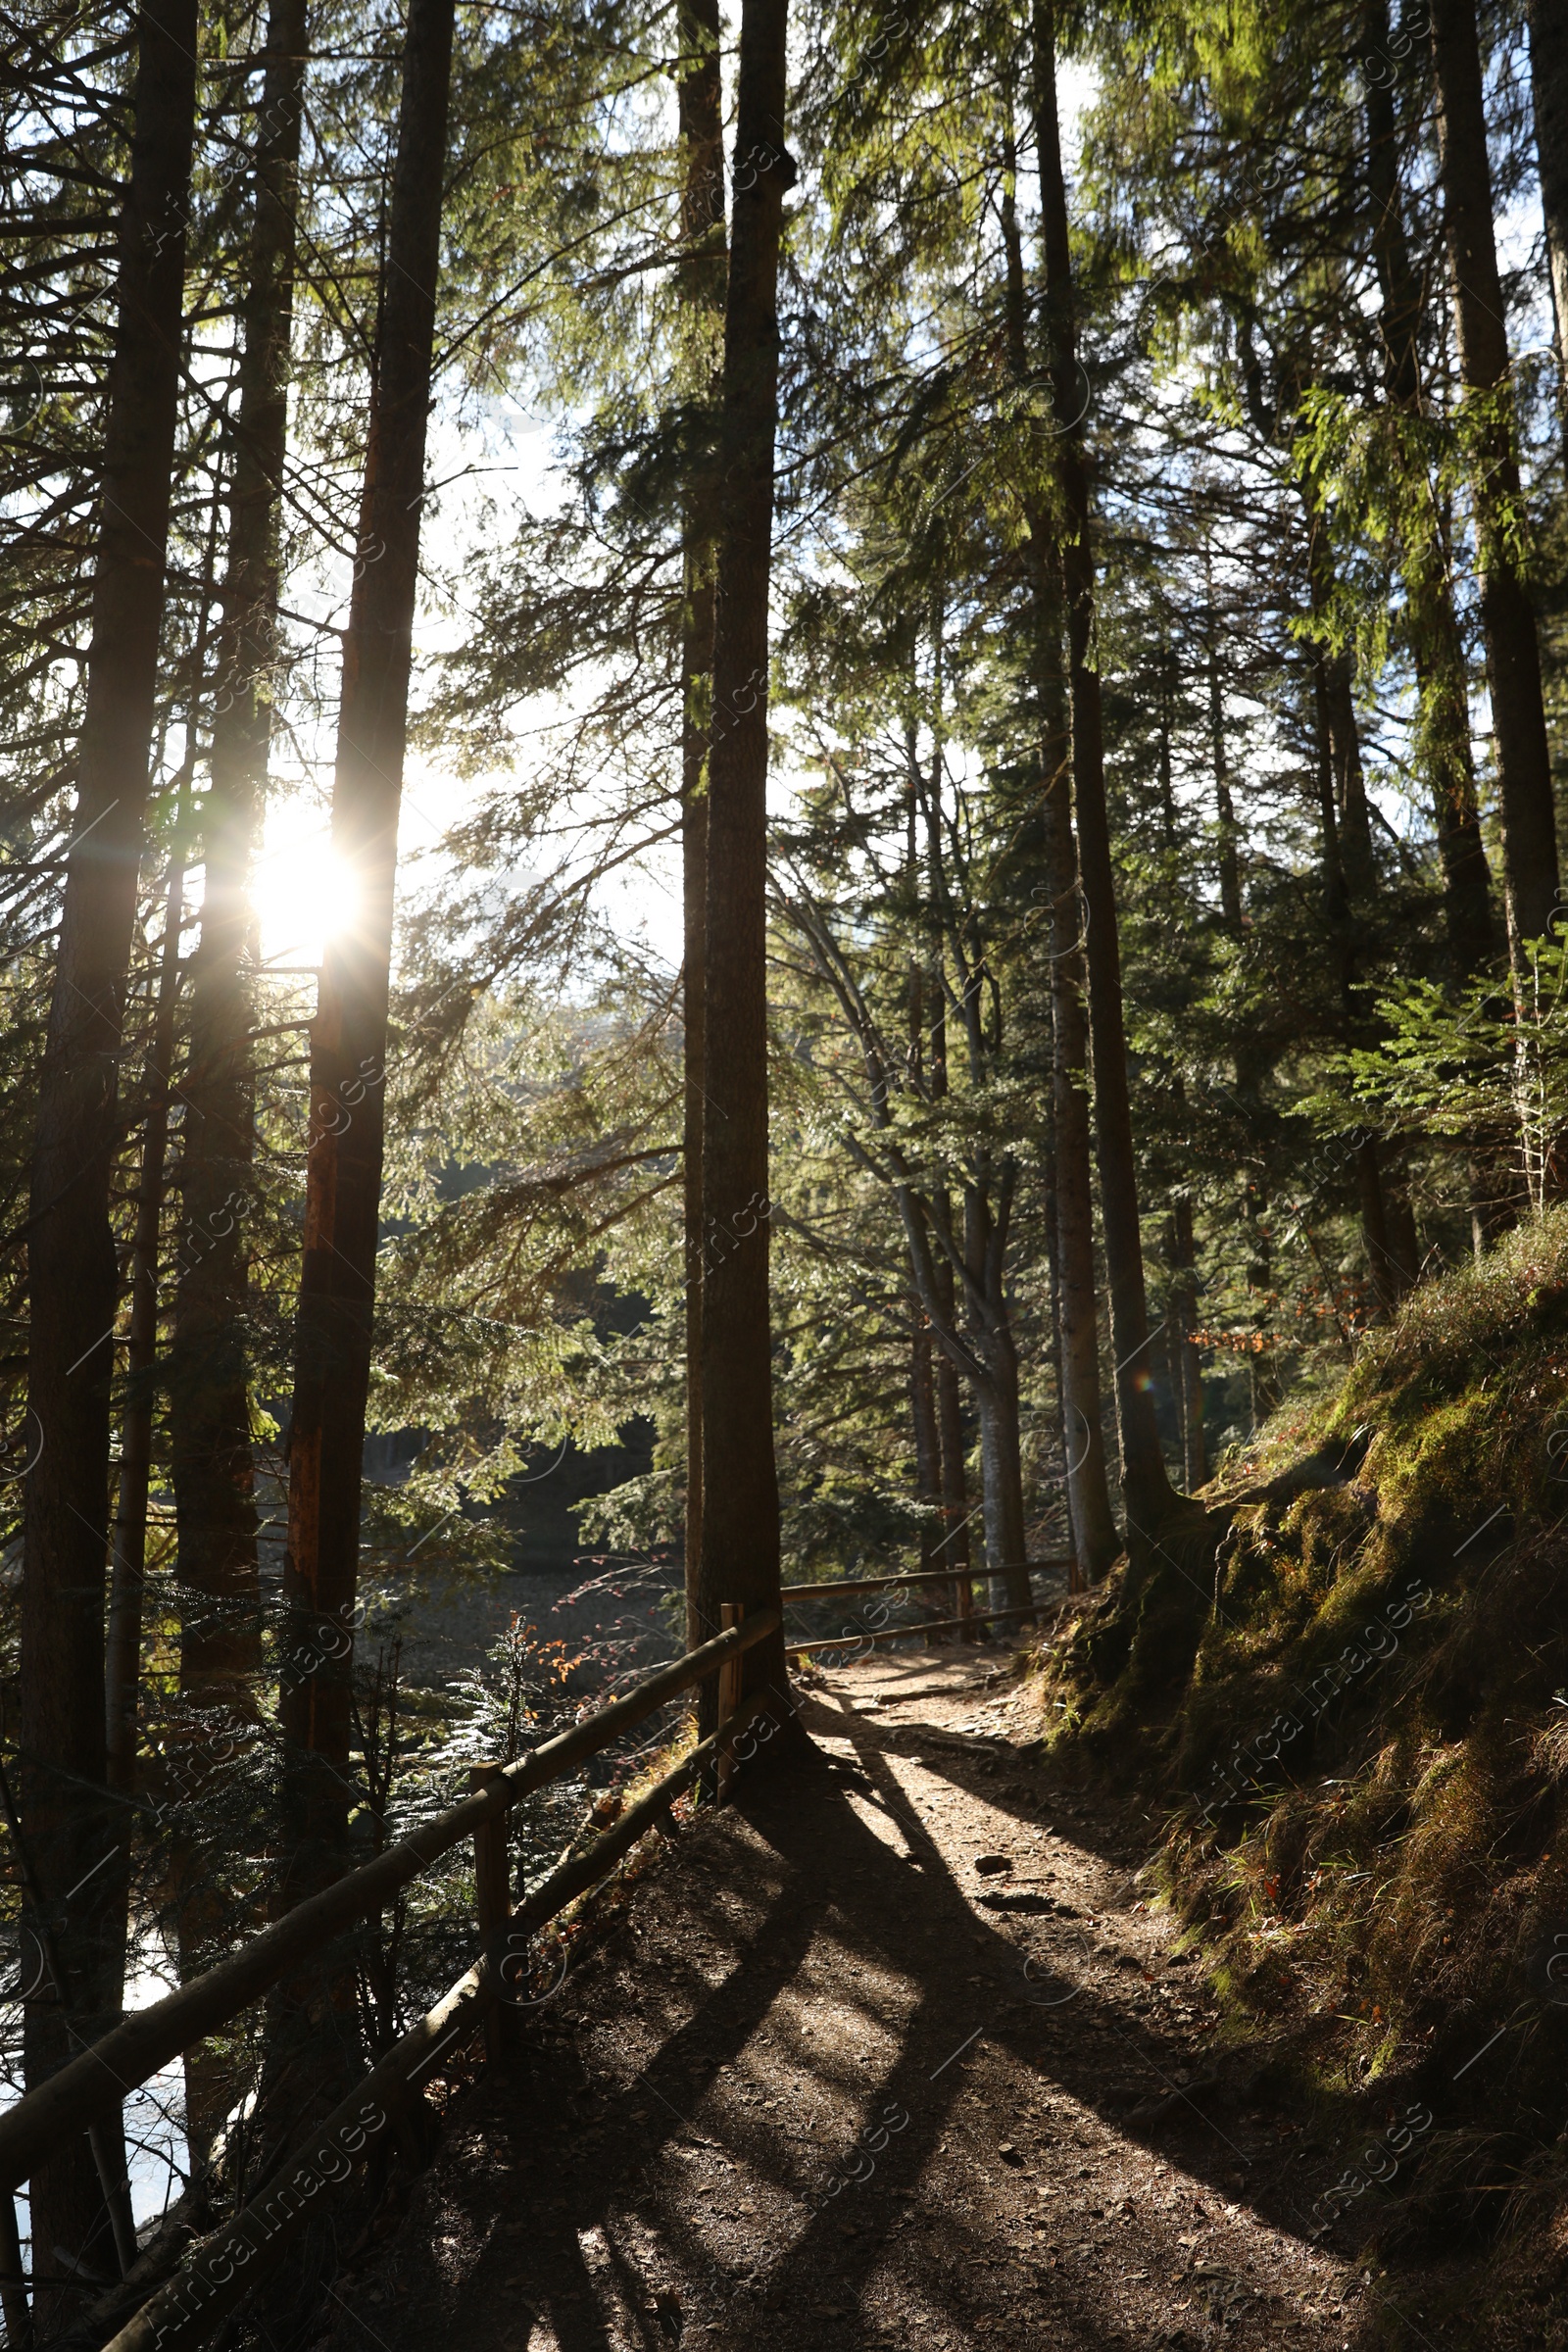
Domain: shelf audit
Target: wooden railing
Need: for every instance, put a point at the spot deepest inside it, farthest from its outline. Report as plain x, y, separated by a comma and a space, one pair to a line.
964, 1621
218, 2273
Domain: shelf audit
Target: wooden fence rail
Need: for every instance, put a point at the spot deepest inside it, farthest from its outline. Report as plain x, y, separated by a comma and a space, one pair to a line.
95, 2081
916, 1625
217, 2274
890, 1584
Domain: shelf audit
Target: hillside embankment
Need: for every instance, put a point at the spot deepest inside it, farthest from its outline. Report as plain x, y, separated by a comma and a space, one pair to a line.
1351, 1709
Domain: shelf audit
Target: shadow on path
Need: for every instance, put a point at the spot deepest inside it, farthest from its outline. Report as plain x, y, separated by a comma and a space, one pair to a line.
808, 2091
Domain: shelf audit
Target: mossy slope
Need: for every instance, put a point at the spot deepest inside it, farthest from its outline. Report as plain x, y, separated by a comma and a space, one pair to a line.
1355, 1707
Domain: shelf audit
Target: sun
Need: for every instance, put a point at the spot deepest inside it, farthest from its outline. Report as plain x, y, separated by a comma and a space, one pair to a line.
304, 892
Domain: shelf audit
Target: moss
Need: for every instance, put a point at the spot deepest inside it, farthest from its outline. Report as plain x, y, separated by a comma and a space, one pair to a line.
1342, 1688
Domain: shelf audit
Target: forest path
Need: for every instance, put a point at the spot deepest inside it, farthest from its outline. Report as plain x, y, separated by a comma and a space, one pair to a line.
822, 1969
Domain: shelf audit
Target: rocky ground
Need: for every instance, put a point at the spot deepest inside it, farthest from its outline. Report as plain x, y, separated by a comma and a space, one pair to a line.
891, 2054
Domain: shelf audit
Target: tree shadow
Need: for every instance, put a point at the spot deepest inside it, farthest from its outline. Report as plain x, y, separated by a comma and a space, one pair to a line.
794, 1871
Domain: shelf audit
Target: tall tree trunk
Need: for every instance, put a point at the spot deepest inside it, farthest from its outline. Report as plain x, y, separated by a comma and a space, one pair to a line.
927, 1441
1095, 1536
694, 882
1548, 82
1341, 734
978, 1341
954, 1552
1167, 722
950, 1392
1436, 649
72, 1261
1094, 1527
1145, 1483
987, 1221
129, 1551
212, 1460
129, 1542
1405, 1243
1445, 750
1077, 1582
209, 1386
1375, 1227
1002, 1475
1230, 875
702, 283
1184, 1296
1173, 1341
922, 1382
348, 1042
1262, 1366
1336, 897
1508, 622
739, 1560
1336, 916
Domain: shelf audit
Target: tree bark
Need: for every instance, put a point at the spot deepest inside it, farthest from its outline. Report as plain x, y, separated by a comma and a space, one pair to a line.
1077, 1582
1374, 1227
1049, 831
954, 1552
1183, 1301
1145, 1484
1508, 622
989, 1332
1405, 1243
1001, 1473
72, 1261
1095, 1535
1230, 875
1443, 743
950, 1393
694, 887
1436, 647
1341, 734
702, 284
927, 1439
348, 1042
739, 1559
129, 1551
213, 1475
128, 1542
1549, 83
1262, 1368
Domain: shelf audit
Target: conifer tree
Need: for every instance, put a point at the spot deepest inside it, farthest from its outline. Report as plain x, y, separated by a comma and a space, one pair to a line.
1508, 617
349, 1037
72, 1274
739, 1556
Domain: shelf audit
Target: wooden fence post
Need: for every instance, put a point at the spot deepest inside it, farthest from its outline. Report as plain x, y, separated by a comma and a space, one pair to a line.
729, 1698
493, 1901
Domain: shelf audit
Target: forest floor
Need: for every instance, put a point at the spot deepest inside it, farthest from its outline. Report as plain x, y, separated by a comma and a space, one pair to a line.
1051, 2141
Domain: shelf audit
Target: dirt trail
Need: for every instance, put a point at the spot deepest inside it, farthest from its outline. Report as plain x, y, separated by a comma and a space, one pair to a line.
830, 2084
